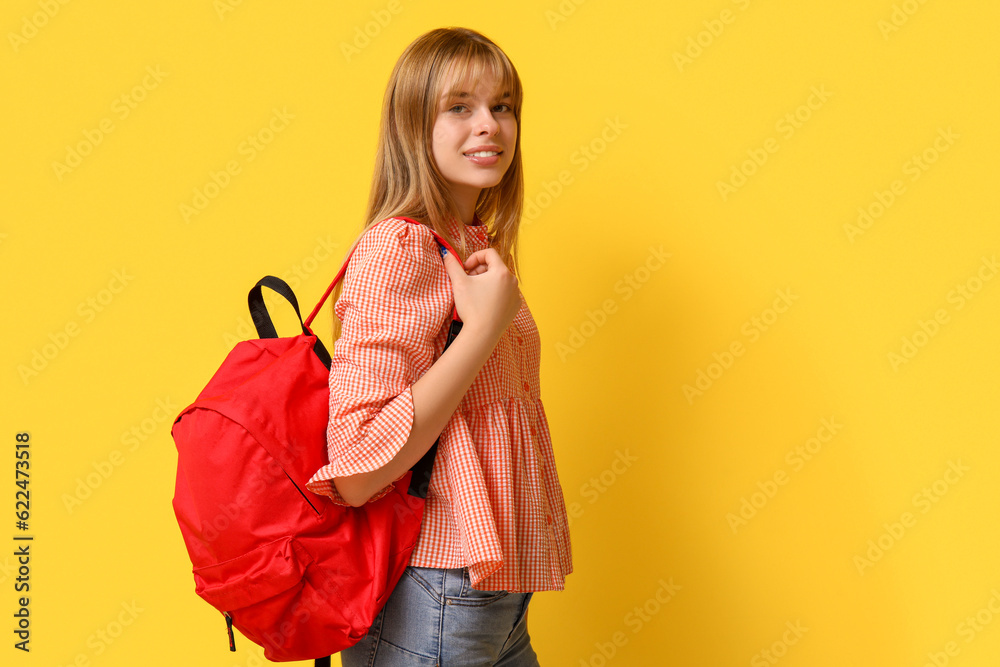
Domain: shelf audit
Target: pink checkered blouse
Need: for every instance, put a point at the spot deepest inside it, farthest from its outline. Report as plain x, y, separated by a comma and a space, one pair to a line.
494, 503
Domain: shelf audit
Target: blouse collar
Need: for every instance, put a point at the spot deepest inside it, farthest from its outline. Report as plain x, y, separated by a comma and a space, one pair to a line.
477, 229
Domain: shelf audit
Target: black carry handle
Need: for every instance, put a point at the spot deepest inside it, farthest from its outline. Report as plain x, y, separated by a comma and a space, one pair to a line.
262, 319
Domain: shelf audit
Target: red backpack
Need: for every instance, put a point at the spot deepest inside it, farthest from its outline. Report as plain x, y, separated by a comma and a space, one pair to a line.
291, 570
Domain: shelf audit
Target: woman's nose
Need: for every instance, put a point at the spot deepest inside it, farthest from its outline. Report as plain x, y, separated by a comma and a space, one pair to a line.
487, 124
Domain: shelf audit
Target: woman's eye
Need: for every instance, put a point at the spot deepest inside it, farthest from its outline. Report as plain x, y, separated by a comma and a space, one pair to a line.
499, 108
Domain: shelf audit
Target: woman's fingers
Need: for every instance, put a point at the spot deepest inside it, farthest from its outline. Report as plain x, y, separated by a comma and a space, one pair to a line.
478, 262
485, 291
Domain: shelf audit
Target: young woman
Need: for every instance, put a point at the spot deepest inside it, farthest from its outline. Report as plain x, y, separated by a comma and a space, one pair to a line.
494, 527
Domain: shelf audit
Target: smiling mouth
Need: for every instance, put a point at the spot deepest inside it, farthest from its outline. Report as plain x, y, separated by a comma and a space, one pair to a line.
483, 153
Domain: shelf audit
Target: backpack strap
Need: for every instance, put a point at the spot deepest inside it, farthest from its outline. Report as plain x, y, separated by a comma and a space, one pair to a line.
343, 270
420, 480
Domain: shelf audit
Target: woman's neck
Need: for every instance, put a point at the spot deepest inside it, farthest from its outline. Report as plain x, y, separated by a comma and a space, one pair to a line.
466, 207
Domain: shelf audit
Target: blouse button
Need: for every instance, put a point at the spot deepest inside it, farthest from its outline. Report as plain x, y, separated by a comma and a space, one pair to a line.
520, 340
548, 518
527, 387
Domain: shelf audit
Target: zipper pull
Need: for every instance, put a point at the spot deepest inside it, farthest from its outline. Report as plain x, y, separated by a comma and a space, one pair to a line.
229, 629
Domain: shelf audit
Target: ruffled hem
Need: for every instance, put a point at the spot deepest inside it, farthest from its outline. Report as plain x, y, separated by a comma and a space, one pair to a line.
382, 436
494, 544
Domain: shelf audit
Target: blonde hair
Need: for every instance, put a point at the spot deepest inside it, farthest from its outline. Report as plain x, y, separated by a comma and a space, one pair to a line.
406, 180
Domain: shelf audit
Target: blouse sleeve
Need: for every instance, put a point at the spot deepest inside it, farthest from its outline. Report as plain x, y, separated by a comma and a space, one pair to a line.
393, 308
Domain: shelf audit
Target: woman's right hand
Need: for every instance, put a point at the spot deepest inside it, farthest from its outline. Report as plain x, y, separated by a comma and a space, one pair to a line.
486, 292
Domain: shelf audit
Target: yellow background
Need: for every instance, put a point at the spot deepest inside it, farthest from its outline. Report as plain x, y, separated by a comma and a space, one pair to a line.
652, 473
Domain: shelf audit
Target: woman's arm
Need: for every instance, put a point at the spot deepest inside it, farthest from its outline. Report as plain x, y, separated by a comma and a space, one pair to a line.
436, 396
487, 302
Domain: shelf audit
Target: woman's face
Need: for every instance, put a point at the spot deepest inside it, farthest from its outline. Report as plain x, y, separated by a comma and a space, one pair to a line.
474, 136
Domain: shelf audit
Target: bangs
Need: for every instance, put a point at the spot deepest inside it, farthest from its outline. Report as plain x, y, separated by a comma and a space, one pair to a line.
476, 63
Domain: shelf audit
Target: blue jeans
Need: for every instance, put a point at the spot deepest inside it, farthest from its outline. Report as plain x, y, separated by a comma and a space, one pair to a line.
435, 618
